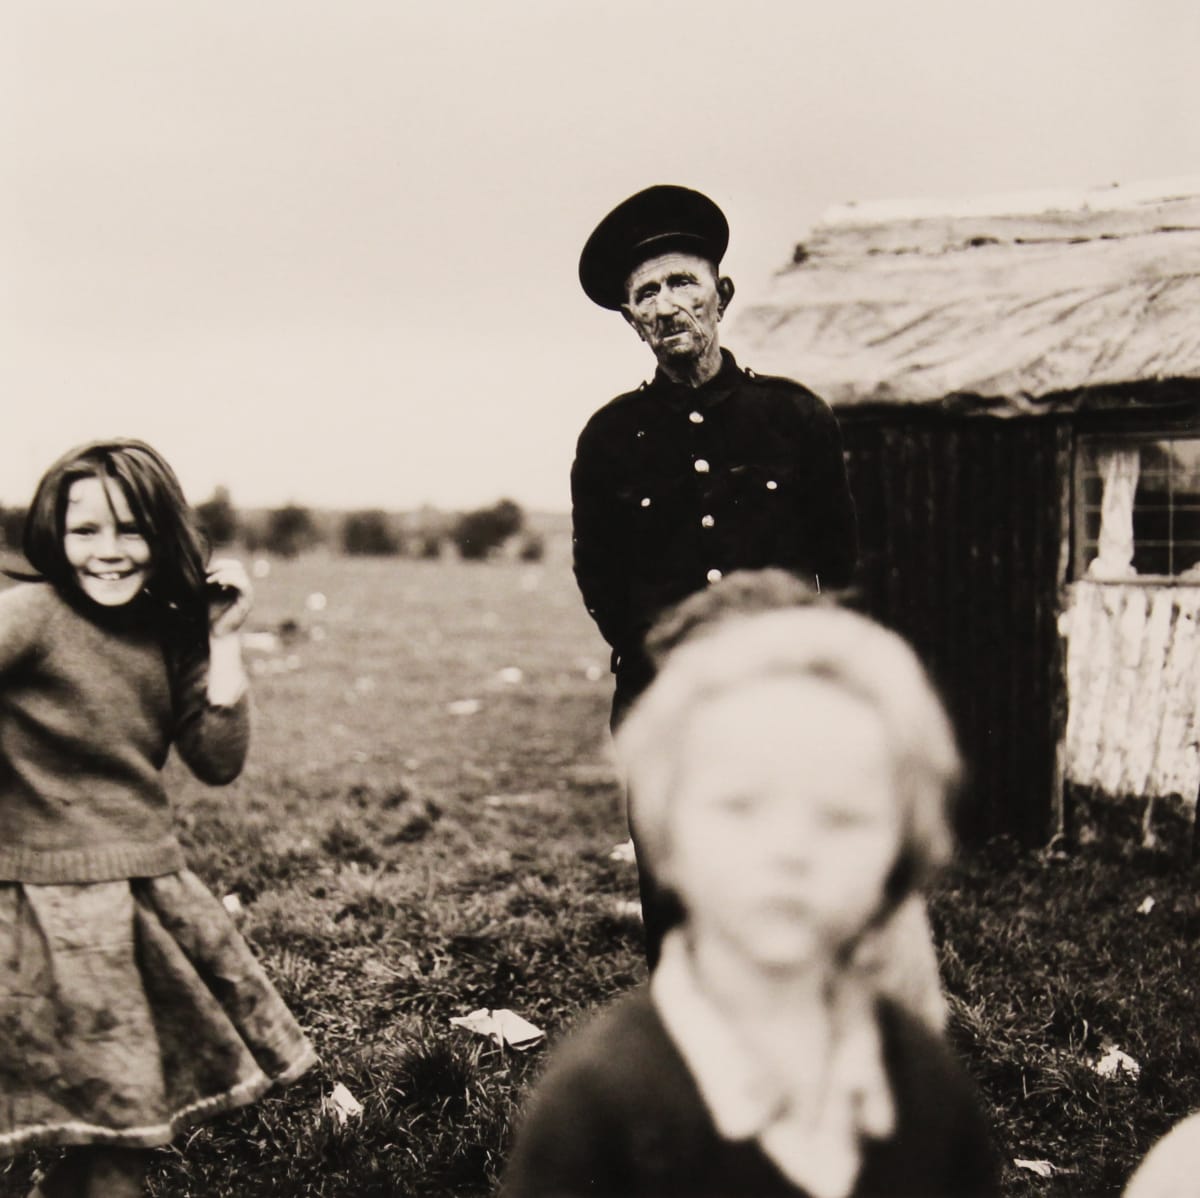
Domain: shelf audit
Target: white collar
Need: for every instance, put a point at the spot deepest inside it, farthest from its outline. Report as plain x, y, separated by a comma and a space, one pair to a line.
749, 1099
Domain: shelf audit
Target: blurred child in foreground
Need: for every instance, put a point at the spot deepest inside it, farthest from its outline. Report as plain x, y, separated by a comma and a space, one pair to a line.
791, 770
899, 950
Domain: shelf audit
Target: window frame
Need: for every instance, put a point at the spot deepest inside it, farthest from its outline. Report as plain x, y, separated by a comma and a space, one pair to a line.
1123, 435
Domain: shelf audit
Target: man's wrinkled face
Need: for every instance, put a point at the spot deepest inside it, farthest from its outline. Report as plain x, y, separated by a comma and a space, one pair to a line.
674, 303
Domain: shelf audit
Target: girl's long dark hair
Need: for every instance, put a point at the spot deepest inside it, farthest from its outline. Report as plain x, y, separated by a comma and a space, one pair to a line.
178, 551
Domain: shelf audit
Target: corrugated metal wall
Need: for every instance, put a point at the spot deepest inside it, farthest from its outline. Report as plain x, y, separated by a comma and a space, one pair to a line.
962, 524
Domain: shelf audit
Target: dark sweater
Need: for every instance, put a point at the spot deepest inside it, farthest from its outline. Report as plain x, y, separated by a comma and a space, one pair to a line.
89, 709
618, 1114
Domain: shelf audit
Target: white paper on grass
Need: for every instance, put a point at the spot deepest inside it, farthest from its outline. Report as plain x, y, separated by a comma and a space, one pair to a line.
1115, 1062
1146, 906
343, 1104
523, 799
502, 1025
1041, 1168
232, 904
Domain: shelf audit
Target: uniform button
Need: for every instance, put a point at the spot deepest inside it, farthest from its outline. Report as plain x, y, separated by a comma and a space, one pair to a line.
696, 417
714, 575
707, 521
701, 466
646, 501
772, 484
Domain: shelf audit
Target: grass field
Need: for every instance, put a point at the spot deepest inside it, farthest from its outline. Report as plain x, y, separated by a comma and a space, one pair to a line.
422, 831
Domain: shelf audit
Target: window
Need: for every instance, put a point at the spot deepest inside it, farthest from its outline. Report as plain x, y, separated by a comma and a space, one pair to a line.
1137, 508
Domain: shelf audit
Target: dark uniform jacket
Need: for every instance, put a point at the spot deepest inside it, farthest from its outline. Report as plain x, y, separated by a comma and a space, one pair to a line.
674, 486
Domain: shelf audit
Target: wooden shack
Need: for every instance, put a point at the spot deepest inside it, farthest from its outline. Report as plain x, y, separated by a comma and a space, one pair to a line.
1018, 382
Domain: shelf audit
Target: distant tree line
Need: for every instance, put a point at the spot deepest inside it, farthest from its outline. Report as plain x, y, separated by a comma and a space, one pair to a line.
292, 529
371, 532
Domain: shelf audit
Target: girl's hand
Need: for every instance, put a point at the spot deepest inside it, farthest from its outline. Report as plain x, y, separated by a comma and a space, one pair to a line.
230, 596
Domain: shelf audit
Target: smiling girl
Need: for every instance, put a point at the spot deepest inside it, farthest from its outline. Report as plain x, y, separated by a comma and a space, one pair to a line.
130, 1007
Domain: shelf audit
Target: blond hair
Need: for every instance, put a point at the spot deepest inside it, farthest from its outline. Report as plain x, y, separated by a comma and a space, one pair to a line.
829, 644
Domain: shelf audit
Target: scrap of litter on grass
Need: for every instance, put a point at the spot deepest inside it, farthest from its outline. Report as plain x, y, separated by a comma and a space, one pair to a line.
526, 799
1146, 905
623, 852
1115, 1062
503, 1026
1041, 1168
232, 904
464, 706
343, 1105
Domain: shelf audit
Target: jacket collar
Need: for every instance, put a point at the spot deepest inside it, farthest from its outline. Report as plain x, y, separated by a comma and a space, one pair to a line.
812, 1134
707, 395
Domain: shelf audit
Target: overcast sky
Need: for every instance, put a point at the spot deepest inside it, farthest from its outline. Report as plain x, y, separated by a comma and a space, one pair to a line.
326, 252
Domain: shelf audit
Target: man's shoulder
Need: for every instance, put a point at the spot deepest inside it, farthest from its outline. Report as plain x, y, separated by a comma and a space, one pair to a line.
619, 408
613, 422
787, 388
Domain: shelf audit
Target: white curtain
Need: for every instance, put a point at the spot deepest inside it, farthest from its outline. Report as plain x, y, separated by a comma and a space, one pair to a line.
1114, 553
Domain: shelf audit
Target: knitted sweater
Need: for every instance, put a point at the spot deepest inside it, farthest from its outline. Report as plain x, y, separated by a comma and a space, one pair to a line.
619, 1115
88, 712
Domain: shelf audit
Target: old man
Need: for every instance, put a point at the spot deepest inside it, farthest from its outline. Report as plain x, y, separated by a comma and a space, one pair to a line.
705, 469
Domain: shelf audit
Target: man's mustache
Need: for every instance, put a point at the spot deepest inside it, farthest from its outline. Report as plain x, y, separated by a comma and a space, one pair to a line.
666, 325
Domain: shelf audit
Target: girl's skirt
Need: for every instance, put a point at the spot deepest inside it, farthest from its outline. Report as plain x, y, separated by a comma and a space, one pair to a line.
129, 1010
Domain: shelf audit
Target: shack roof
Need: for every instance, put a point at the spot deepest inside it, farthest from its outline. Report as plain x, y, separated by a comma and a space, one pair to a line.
1011, 304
